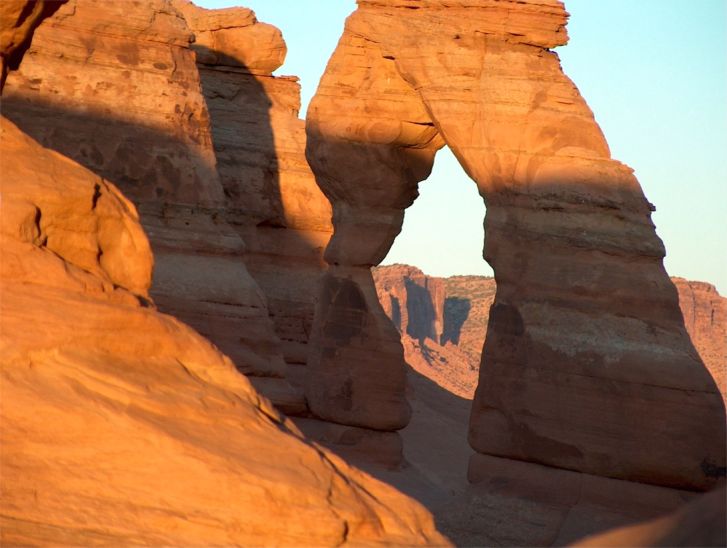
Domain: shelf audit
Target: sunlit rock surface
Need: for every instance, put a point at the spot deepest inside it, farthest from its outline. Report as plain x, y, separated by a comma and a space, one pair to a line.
445, 340
18, 20
585, 333
122, 425
115, 87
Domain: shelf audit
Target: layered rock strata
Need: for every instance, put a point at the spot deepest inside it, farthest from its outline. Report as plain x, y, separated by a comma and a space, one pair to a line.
446, 310
705, 316
451, 357
272, 199
585, 332
123, 426
442, 322
115, 87
18, 21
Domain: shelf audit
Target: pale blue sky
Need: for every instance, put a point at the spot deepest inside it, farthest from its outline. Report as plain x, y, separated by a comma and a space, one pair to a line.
655, 74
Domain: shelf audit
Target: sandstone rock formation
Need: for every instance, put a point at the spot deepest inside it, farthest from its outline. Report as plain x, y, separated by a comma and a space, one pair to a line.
413, 301
585, 333
272, 199
452, 354
121, 425
699, 523
115, 87
705, 316
18, 20
442, 322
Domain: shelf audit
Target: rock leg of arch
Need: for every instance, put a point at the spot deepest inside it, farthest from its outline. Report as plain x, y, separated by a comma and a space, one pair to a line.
588, 366
370, 141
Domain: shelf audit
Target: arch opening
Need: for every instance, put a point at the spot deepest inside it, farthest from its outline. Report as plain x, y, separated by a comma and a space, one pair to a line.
434, 284
583, 301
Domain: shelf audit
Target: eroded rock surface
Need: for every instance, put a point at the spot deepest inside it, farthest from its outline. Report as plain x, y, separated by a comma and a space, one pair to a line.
18, 21
705, 316
121, 425
442, 322
699, 523
451, 356
272, 199
585, 332
115, 87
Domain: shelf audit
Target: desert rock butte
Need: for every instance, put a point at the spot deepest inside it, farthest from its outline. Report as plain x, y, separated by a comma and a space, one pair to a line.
195, 347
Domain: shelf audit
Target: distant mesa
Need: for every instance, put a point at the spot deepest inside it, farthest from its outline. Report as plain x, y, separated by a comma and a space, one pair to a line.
445, 342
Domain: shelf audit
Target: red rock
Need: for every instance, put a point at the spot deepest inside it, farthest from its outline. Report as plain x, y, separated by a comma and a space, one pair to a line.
705, 317
272, 199
585, 333
121, 425
465, 315
442, 322
699, 523
18, 21
86, 61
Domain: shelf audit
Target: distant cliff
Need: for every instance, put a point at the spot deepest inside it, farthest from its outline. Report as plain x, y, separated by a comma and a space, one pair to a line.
443, 322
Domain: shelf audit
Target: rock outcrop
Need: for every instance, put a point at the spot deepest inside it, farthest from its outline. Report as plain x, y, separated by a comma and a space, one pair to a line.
413, 301
451, 356
123, 426
18, 21
585, 332
115, 87
699, 523
705, 316
272, 199
442, 322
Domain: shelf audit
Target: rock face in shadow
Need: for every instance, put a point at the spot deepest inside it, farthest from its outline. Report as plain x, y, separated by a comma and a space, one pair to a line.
452, 356
705, 315
585, 332
413, 301
272, 199
123, 426
115, 87
699, 523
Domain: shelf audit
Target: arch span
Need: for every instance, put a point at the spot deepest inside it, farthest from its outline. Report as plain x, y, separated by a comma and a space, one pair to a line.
587, 365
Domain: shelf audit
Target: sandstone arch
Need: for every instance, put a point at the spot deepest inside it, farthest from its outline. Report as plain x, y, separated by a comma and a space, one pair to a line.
588, 366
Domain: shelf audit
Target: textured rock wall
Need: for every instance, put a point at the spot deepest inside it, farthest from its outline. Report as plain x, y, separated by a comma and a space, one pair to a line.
453, 358
115, 86
413, 301
447, 345
272, 199
705, 316
585, 333
123, 426
18, 21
